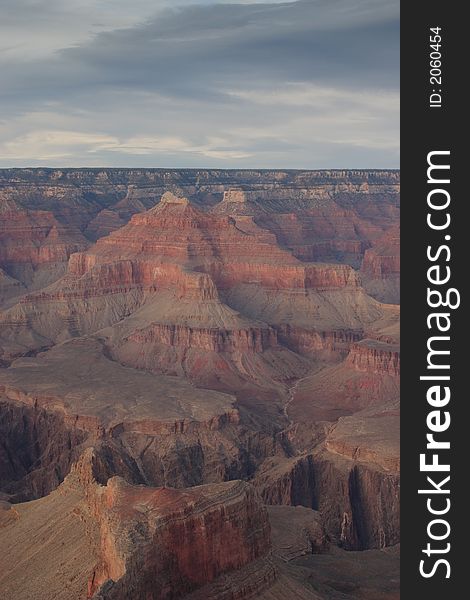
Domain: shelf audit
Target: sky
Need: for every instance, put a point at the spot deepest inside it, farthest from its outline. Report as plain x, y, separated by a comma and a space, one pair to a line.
309, 84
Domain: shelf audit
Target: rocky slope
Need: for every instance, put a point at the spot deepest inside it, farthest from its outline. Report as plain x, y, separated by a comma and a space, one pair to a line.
150, 429
343, 437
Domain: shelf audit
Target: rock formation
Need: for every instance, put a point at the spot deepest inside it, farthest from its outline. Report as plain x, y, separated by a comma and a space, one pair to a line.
119, 541
381, 267
167, 337
34, 248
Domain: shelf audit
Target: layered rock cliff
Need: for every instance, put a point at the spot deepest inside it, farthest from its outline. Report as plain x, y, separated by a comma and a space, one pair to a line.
375, 357
351, 477
358, 501
135, 541
34, 248
164, 543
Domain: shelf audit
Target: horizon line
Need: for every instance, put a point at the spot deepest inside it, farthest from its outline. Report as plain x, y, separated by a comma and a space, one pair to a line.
96, 168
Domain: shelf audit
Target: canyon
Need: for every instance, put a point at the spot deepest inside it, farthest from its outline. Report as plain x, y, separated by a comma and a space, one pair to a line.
199, 384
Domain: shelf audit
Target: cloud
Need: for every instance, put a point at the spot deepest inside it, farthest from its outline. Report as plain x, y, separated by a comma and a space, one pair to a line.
315, 96
53, 144
58, 144
215, 83
32, 28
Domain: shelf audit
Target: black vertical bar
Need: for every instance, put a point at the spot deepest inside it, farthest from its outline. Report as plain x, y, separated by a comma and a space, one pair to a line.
428, 127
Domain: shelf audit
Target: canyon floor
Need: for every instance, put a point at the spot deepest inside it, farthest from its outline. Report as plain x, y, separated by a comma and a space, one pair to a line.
199, 384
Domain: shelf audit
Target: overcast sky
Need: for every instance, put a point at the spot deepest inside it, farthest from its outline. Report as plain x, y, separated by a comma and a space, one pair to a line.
199, 83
